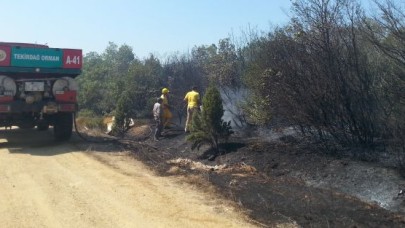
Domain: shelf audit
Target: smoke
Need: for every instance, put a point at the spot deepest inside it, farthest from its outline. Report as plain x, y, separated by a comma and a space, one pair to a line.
232, 100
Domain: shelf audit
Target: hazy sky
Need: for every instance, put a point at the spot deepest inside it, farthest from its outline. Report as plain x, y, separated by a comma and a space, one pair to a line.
161, 27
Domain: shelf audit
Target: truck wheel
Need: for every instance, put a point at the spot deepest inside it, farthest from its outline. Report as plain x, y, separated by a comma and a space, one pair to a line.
62, 127
42, 127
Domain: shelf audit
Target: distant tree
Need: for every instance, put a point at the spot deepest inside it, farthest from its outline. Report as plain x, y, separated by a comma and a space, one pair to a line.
208, 126
92, 83
202, 57
125, 57
104, 77
144, 82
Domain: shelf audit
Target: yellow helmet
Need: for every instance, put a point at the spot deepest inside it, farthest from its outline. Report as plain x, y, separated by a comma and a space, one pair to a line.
165, 90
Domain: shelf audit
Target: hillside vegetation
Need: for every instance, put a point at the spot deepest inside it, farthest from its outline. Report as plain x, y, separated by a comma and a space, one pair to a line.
334, 72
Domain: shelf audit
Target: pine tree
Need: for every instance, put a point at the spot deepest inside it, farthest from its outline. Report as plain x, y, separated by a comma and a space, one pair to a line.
122, 114
208, 126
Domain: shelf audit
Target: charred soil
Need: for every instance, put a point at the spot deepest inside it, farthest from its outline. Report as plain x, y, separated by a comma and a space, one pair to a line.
285, 180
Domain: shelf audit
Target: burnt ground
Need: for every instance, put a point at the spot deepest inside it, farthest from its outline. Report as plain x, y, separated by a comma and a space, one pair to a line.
282, 180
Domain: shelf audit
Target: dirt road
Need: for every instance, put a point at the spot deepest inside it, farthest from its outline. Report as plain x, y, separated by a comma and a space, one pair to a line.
46, 184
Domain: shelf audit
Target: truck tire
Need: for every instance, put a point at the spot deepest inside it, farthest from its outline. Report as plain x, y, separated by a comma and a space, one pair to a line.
43, 127
63, 125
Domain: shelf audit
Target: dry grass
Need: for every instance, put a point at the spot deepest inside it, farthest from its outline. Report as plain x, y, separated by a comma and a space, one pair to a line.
90, 123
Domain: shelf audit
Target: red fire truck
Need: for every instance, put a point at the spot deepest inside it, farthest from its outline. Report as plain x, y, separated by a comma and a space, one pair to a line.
37, 87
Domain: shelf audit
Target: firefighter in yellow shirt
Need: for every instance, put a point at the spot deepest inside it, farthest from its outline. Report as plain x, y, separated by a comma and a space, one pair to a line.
193, 101
167, 114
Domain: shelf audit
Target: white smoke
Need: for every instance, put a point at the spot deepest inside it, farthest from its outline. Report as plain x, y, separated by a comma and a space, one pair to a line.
232, 99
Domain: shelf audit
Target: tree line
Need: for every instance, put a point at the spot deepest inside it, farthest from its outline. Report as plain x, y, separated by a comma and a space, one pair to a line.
334, 72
